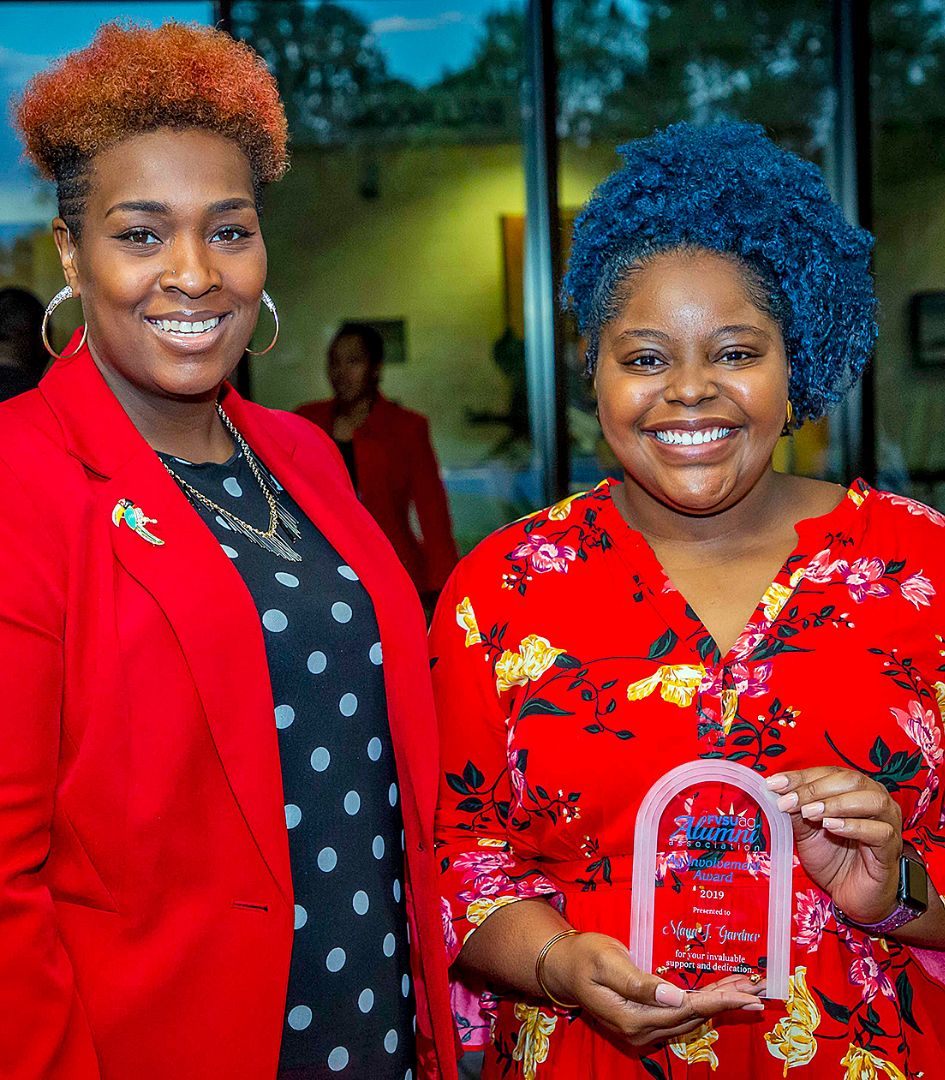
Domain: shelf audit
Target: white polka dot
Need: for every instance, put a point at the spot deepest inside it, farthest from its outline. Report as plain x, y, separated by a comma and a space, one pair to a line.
317, 662
341, 612
347, 572
338, 1059
327, 859
335, 960
274, 620
348, 705
378, 847
403, 838
390, 944
231, 553
408, 1075
300, 1017
390, 1041
397, 890
366, 1000
321, 758
301, 916
232, 487
293, 815
222, 522
289, 580
374, 748
376, 654
360, 902
352, 803
392, 794
405, 986
285, 714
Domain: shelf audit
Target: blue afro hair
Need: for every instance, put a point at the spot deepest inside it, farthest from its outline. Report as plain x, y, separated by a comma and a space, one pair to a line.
727, 187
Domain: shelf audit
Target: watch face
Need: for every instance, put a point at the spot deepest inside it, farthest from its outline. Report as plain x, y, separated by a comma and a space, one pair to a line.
913, 885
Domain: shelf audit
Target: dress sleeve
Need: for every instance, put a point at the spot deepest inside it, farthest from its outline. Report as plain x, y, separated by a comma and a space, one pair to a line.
480, 869
924, 720
44, 1034
433, 514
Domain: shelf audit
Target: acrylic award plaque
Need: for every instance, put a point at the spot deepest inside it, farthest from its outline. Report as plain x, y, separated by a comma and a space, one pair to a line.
712, 864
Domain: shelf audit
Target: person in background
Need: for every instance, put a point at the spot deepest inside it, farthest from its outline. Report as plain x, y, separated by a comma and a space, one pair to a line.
705, 607
390, 458
216, 778
22, 356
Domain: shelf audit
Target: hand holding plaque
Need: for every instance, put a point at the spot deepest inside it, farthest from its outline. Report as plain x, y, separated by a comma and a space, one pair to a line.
713, 859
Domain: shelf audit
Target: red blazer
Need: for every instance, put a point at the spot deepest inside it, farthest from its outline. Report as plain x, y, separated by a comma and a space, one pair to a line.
146, 907
397, 469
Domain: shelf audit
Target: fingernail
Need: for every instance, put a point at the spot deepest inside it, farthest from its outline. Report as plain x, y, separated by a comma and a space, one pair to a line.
813, 810
667, 994
755, 1006
778, 782
833, 823
788, 802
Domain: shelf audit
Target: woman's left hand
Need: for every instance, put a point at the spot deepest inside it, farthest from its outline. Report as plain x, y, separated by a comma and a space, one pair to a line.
848, 833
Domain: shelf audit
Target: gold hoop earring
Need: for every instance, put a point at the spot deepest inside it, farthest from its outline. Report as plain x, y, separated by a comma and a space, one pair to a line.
63, 294
267, 300
788, 428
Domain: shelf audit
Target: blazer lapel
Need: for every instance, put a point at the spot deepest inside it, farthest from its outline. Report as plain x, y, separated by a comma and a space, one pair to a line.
199, 591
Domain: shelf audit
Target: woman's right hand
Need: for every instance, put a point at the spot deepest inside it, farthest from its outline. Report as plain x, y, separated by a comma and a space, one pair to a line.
595, 971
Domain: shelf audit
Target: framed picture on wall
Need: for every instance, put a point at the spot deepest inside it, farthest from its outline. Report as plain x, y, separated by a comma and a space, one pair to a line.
927, 329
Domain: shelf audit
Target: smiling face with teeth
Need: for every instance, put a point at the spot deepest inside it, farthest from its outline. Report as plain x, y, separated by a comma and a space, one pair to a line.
692, 384
170, 267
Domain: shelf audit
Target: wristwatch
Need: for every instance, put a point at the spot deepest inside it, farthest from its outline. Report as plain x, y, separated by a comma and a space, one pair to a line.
912, 900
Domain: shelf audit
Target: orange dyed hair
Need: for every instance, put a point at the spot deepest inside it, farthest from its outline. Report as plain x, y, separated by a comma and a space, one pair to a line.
133, 79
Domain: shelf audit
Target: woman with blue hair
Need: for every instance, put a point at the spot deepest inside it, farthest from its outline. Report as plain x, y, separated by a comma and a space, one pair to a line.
706, 607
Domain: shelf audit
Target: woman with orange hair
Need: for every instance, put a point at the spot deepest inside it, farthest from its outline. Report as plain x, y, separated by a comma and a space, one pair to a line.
216, 785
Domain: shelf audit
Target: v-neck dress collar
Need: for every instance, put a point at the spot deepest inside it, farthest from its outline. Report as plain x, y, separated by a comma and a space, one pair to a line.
717, 672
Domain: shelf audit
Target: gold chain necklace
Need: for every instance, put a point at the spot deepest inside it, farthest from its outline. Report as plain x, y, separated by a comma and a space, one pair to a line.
266, 538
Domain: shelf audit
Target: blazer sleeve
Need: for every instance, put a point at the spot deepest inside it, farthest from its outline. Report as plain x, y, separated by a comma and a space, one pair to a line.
44, 1034
429, 498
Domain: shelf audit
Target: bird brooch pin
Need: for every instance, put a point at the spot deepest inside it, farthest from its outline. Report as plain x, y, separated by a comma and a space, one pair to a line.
136, 520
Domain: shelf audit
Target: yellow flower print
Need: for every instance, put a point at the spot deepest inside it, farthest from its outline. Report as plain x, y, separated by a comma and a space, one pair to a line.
537, 656
531, 1043
642, 688
697, 1046
508, 672
729, 709
792, 1039
939, 689
678, 684
492, 841
480, 910
466, 620
517, 668
862, 1065
775, 597
562, 509
856, 497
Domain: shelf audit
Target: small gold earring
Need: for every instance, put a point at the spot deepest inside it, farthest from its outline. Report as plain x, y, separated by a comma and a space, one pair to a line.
788, 428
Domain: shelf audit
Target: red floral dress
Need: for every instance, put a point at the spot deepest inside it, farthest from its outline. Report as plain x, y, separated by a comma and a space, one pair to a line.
570, 675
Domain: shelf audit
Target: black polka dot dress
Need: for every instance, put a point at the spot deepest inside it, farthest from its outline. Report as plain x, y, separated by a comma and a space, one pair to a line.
350, 1007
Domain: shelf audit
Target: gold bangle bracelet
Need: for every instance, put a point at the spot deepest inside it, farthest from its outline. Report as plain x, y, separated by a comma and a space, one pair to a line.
540, 965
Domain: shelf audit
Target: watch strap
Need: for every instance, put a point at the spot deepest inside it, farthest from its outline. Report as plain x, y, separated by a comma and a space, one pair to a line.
911, 903
899, 916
